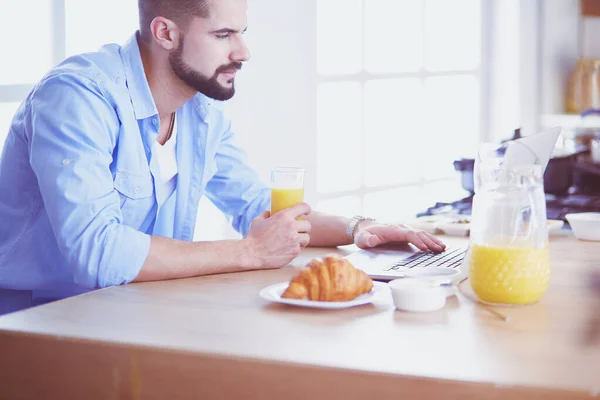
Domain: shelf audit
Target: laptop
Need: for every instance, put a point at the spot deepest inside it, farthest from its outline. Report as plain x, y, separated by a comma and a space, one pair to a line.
395, 261
399, 260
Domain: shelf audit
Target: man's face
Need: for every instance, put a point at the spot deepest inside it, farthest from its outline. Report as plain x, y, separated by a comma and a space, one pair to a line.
213, 50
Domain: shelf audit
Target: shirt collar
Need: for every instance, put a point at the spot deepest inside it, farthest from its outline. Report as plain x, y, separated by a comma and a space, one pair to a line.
139, 90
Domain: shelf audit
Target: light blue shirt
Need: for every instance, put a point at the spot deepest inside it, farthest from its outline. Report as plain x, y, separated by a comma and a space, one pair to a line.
79, 182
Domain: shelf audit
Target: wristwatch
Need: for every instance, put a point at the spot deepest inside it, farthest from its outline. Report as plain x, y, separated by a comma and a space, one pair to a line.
351, 228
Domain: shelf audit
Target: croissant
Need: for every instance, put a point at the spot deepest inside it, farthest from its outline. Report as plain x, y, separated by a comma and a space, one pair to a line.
329, 279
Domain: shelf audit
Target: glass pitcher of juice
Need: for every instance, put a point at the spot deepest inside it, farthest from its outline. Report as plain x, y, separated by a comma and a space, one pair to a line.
508, 257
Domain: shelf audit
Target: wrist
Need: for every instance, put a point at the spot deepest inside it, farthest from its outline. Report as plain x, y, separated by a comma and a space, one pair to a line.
365, 223
249, 259
356, 223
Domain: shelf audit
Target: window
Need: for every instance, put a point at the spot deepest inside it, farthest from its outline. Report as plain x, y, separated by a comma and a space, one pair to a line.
399, 99
57, 29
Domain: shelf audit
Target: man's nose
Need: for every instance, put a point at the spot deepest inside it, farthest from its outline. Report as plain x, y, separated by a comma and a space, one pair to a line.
241, 52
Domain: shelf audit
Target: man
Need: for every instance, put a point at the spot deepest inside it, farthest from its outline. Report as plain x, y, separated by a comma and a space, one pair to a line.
107, 158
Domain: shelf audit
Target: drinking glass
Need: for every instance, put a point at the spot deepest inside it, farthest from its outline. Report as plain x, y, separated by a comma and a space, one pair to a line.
287, 188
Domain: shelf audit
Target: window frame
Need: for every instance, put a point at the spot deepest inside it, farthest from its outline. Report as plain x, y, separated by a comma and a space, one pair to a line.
481, 73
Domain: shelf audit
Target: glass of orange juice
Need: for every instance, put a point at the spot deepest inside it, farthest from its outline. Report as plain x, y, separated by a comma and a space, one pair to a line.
287, 188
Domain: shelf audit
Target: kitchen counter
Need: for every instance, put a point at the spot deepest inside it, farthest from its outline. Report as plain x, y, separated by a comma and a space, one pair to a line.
214, 337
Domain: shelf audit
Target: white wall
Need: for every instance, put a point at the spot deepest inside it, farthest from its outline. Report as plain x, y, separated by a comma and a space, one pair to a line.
274, 109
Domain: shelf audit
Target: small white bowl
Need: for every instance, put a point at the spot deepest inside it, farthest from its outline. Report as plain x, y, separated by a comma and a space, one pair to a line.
555, 225
585, 226
419, 295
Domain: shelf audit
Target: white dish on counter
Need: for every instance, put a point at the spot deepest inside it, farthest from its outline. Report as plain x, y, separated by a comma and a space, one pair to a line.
273, 293
555, 225
452, 225
585, 226
460, 225
420, 295
456, 226
427, 223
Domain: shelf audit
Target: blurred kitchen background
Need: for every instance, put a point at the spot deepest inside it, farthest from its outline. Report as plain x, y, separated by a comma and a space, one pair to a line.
384, 102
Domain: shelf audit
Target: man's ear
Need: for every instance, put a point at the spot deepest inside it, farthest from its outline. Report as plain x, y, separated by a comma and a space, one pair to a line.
165, 33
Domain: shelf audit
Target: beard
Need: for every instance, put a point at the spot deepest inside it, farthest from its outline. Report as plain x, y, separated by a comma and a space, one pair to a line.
209, 86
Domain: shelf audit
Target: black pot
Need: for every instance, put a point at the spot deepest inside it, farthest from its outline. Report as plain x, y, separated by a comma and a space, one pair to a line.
587, 178
466, 166
558, 176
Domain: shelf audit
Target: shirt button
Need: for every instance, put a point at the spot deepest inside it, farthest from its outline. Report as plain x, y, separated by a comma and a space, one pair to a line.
155, 121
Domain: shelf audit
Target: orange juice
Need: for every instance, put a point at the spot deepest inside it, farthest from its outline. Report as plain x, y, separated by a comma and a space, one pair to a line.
282, 198
505, 275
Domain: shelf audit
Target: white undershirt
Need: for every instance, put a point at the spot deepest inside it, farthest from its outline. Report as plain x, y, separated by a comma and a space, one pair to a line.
167, 160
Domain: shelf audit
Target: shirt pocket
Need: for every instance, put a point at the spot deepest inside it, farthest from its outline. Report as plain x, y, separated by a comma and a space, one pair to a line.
136, 194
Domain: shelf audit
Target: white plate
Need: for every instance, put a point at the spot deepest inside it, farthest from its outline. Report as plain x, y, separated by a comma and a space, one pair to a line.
452, 227
443, 224
274, 292
427, 223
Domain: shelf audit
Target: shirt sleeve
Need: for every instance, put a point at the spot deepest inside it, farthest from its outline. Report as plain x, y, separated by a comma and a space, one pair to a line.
236, 188
72, 131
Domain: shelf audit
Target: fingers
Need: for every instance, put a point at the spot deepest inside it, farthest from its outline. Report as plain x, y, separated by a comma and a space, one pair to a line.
303, 226
425, 241
361, 240
415, 238
437, 241
421, 239
304, 239
430, 242
365, 240
296, 211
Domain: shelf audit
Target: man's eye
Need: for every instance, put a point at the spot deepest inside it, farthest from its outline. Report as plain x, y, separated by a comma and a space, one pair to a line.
223, 36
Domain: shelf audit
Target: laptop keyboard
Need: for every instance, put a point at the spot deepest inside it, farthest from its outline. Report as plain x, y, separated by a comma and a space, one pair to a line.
449, 258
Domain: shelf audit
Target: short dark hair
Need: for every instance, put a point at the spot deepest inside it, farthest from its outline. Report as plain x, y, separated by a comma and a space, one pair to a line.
179, 11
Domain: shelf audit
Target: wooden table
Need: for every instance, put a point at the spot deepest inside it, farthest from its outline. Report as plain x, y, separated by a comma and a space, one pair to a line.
214, 337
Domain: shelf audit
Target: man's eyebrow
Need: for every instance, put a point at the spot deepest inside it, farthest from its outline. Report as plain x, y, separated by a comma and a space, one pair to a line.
228, 30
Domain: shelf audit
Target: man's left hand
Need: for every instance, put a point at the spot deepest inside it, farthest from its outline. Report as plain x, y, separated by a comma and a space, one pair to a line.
370, 234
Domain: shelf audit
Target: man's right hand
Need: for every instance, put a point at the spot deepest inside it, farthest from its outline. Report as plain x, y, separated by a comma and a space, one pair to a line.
274, 241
